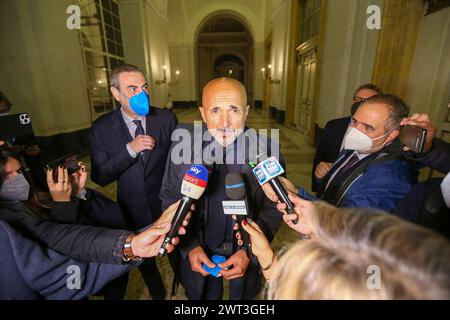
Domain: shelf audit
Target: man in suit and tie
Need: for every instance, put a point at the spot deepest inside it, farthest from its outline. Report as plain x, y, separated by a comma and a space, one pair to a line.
330, 142
130, 145
370, 171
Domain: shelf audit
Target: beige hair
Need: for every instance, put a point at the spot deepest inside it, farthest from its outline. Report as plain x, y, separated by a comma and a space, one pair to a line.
414, 262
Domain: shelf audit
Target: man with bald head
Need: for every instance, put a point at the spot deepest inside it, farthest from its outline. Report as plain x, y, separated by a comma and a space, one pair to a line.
224, 111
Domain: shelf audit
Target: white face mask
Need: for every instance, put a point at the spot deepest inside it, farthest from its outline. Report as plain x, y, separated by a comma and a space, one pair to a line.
15, 188
358, 141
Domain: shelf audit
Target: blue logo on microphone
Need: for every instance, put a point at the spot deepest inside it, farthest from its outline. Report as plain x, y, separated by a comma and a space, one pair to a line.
267, 170
199, 172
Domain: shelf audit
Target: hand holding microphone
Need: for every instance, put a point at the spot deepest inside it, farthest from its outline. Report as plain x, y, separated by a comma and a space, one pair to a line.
237, 205
192, 188
267, 171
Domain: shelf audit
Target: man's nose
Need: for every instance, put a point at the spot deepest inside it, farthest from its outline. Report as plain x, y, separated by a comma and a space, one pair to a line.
224, 120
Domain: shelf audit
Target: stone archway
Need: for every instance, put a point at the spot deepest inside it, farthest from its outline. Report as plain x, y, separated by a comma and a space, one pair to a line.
224, 43
229, 65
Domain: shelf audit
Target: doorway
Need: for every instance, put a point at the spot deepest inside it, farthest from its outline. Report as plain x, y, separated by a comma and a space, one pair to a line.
225, 49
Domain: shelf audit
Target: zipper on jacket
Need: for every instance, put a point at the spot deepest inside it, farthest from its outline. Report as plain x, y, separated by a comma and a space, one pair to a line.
357, 177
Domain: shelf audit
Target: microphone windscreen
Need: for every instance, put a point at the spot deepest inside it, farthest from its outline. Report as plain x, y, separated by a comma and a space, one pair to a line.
234, 186
194, 182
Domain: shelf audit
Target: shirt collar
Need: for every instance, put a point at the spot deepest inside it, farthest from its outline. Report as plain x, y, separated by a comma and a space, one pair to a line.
129, 119
361, 155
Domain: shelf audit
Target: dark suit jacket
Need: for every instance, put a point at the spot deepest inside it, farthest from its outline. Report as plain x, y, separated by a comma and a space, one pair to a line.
424, 204
138, 183
437, 158
329, 145
82, 242
29, 271
261, 210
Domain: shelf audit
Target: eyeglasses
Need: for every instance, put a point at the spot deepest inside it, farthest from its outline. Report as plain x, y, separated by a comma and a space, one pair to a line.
359, 99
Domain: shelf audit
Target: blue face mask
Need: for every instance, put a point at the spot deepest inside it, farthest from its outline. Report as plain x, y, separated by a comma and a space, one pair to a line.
140, 103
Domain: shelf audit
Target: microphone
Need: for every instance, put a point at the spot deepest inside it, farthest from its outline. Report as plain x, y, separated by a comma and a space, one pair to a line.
192, 188
235, 190
268, 170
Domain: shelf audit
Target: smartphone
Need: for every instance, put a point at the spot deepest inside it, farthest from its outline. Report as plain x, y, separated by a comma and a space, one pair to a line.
413, 137
15, 126
70, 162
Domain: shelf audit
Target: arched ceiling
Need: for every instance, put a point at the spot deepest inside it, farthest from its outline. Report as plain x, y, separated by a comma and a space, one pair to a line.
223, 29
186, 17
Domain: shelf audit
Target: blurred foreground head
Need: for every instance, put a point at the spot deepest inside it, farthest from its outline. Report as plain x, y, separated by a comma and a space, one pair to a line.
363, 254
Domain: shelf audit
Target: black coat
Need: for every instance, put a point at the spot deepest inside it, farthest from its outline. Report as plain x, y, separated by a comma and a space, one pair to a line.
138, 184
29, 271
81, 242
424, 204
438, 158
262, 210
329, 145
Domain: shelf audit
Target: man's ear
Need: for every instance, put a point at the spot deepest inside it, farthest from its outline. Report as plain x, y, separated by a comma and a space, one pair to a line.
115, 93
393, 135
247, 108
202, 112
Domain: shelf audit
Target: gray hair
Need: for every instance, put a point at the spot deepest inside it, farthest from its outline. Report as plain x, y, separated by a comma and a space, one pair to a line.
114, 76
398, 109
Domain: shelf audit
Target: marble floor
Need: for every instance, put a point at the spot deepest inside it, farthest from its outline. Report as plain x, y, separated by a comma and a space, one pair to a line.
299, 157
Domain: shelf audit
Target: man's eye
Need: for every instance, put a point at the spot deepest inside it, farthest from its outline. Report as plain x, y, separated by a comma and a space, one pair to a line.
215, 111
132, 90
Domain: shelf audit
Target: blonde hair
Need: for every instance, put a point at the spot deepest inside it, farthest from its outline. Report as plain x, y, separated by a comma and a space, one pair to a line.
349, 244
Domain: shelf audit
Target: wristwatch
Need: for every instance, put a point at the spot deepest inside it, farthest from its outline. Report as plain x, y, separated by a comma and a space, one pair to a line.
82, 194
128, 252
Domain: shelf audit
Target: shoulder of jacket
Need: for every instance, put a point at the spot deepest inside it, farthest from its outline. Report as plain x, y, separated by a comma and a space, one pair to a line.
163, 112
391, 167
104, 118
187, 126
338, 121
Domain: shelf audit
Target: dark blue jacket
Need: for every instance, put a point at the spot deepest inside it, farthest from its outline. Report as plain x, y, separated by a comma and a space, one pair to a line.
29, 271
381, 185
138, 184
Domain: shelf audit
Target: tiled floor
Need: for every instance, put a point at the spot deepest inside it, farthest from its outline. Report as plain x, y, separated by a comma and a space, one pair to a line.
298, 157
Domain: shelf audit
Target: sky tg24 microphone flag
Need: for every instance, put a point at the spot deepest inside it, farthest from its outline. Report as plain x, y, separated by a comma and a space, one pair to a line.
195, 181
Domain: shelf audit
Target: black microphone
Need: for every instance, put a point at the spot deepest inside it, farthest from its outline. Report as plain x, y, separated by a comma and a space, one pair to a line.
193, 185
265, 177
235, 190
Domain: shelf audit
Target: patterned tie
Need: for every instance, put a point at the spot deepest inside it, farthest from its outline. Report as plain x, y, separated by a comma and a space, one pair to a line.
217, 224
143, 155
139, 128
